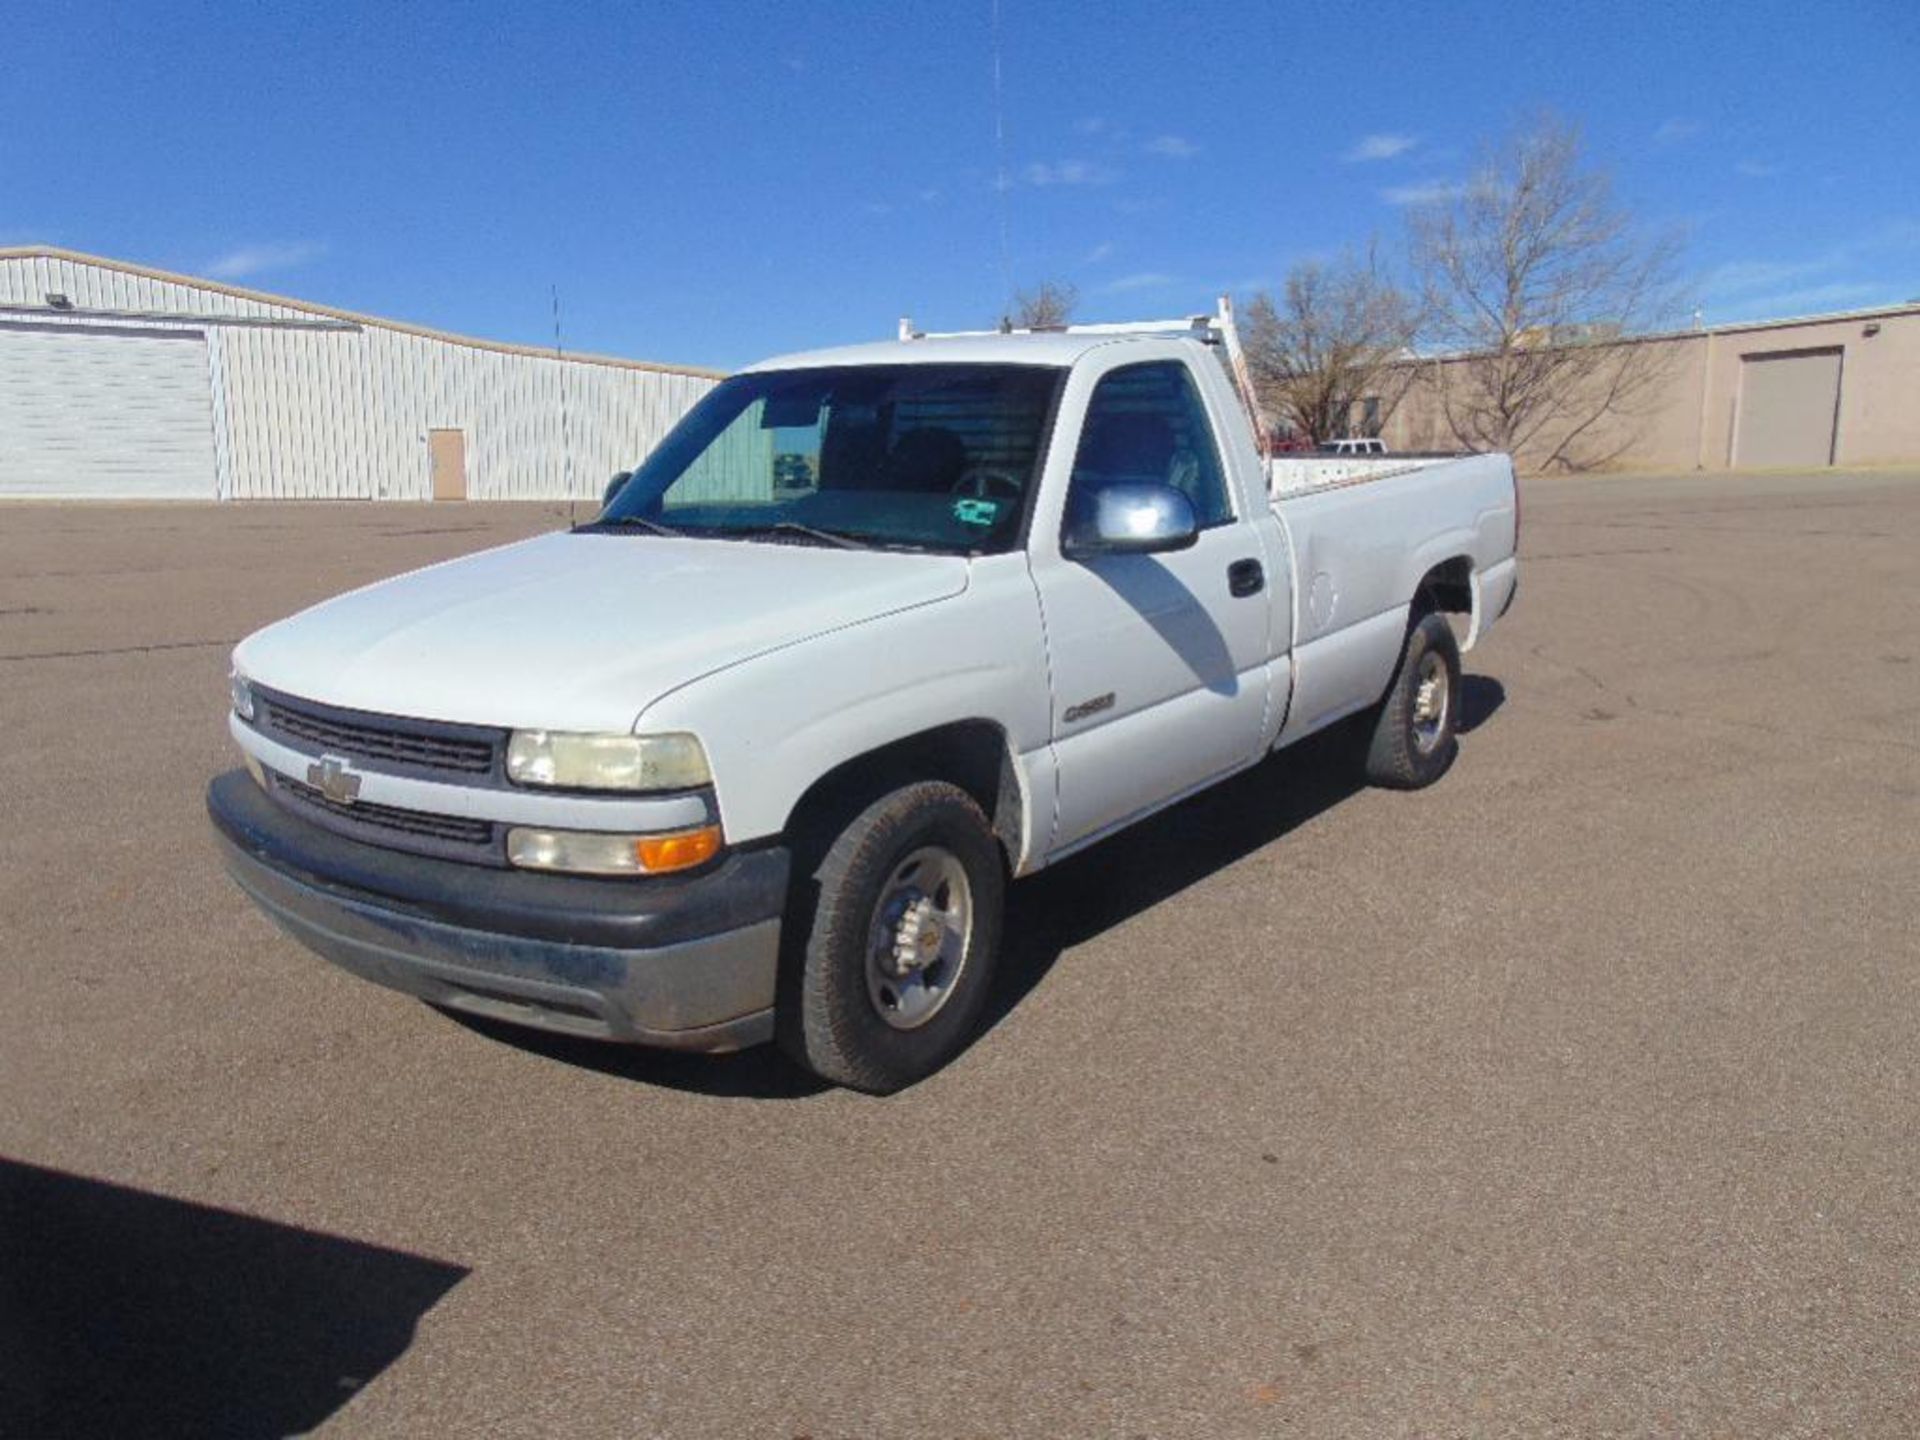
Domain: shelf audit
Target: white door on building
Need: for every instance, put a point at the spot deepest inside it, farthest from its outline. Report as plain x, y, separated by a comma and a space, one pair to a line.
104, 412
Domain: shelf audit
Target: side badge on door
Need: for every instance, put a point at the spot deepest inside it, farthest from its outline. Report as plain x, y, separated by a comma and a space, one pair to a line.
1086, 708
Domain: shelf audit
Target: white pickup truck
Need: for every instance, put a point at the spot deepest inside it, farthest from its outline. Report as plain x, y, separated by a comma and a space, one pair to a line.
755, 753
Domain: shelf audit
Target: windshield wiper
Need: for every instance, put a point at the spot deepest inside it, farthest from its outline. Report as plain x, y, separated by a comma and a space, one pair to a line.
652, 527
794, 527
778, 527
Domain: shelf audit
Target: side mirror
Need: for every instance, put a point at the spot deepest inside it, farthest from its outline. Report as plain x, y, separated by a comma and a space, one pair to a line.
1133, 518
613, 487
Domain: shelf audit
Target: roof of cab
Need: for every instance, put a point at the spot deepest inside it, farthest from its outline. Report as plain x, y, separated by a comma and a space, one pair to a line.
1052, 348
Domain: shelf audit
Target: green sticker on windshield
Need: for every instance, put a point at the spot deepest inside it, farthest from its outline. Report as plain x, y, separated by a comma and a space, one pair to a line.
969, 510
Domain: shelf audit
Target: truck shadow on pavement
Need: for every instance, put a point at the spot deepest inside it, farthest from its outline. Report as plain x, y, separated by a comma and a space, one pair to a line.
1071, 903
123, 1312
762, 1073
1480, 696
1063, 906
1078, 899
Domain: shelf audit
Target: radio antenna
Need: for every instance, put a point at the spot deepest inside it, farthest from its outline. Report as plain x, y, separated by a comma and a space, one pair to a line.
1000, 184
566, 433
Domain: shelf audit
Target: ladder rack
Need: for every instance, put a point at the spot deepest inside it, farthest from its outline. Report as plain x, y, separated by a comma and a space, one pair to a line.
1215, 329
1198, 326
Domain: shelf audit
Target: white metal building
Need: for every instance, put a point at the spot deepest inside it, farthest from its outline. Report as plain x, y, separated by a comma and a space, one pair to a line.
121, 381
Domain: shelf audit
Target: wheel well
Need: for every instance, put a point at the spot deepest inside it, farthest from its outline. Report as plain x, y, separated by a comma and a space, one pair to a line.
1447, 587
971, 754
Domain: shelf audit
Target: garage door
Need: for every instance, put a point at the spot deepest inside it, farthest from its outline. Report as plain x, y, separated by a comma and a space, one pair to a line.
106, 413
1789, 401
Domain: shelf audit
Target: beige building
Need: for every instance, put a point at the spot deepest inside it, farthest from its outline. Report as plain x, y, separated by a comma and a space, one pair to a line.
1801, 393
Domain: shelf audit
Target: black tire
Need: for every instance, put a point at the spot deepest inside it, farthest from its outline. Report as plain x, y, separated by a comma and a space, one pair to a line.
830, 1018
1408, 750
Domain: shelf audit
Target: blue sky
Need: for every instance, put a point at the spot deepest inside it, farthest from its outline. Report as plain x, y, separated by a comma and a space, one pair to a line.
714, 182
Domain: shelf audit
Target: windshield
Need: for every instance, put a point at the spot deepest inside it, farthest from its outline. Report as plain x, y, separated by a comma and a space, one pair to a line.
933, 457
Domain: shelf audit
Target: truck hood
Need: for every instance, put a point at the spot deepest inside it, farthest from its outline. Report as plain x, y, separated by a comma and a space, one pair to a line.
579, 631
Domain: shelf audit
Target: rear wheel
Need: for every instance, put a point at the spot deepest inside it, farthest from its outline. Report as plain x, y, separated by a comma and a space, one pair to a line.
900, 942
1414, 740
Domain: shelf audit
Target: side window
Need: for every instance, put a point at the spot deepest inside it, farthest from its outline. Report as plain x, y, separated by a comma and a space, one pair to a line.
1147, 422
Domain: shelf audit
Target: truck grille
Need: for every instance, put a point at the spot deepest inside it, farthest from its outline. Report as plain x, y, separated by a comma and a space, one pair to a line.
451, 837
420, 745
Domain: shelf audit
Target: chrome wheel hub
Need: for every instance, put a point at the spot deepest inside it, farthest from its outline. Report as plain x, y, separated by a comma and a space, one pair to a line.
1430, 700
919, 937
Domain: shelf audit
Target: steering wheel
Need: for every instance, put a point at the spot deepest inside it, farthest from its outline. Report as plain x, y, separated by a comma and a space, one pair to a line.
982, 484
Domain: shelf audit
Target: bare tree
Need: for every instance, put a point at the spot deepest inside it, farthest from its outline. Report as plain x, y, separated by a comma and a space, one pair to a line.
1534, 277
1048, 306
1335, 340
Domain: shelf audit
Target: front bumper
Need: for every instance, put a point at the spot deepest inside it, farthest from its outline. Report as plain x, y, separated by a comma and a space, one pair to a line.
687, 963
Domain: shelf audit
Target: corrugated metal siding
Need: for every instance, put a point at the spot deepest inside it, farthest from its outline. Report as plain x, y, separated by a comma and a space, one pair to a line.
83, 412
30, 279
308, 407
738, 465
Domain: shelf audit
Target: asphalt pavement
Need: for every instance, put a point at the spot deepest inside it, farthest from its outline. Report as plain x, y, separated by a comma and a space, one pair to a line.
1575, 1096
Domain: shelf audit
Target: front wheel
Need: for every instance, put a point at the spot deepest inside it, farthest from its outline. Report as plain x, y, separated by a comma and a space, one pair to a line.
901, 941
1414, 740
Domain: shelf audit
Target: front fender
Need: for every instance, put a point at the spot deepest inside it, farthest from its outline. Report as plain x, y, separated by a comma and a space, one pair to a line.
775, 724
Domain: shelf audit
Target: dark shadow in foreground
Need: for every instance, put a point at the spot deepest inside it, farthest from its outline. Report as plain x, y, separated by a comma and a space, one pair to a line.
128, 1313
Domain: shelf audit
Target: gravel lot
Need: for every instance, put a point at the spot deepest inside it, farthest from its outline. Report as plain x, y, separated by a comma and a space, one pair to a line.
1575, 1096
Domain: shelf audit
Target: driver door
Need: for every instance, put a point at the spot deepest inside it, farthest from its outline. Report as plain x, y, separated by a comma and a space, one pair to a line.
1158, 662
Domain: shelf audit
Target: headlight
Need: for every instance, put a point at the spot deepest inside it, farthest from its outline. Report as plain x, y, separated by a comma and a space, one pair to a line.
587, 853
606, 762
242, 695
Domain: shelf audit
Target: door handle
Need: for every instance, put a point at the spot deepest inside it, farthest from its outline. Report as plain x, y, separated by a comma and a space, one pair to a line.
1245, 577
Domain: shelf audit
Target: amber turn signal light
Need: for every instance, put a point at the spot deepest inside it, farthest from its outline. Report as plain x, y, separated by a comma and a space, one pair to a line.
589, 853
659, 854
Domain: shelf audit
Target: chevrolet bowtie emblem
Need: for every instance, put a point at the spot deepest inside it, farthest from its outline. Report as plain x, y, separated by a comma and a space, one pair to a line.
331, 777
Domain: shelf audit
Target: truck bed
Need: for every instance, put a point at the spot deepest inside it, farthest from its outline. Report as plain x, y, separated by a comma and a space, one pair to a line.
1297, 474
1363, 534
